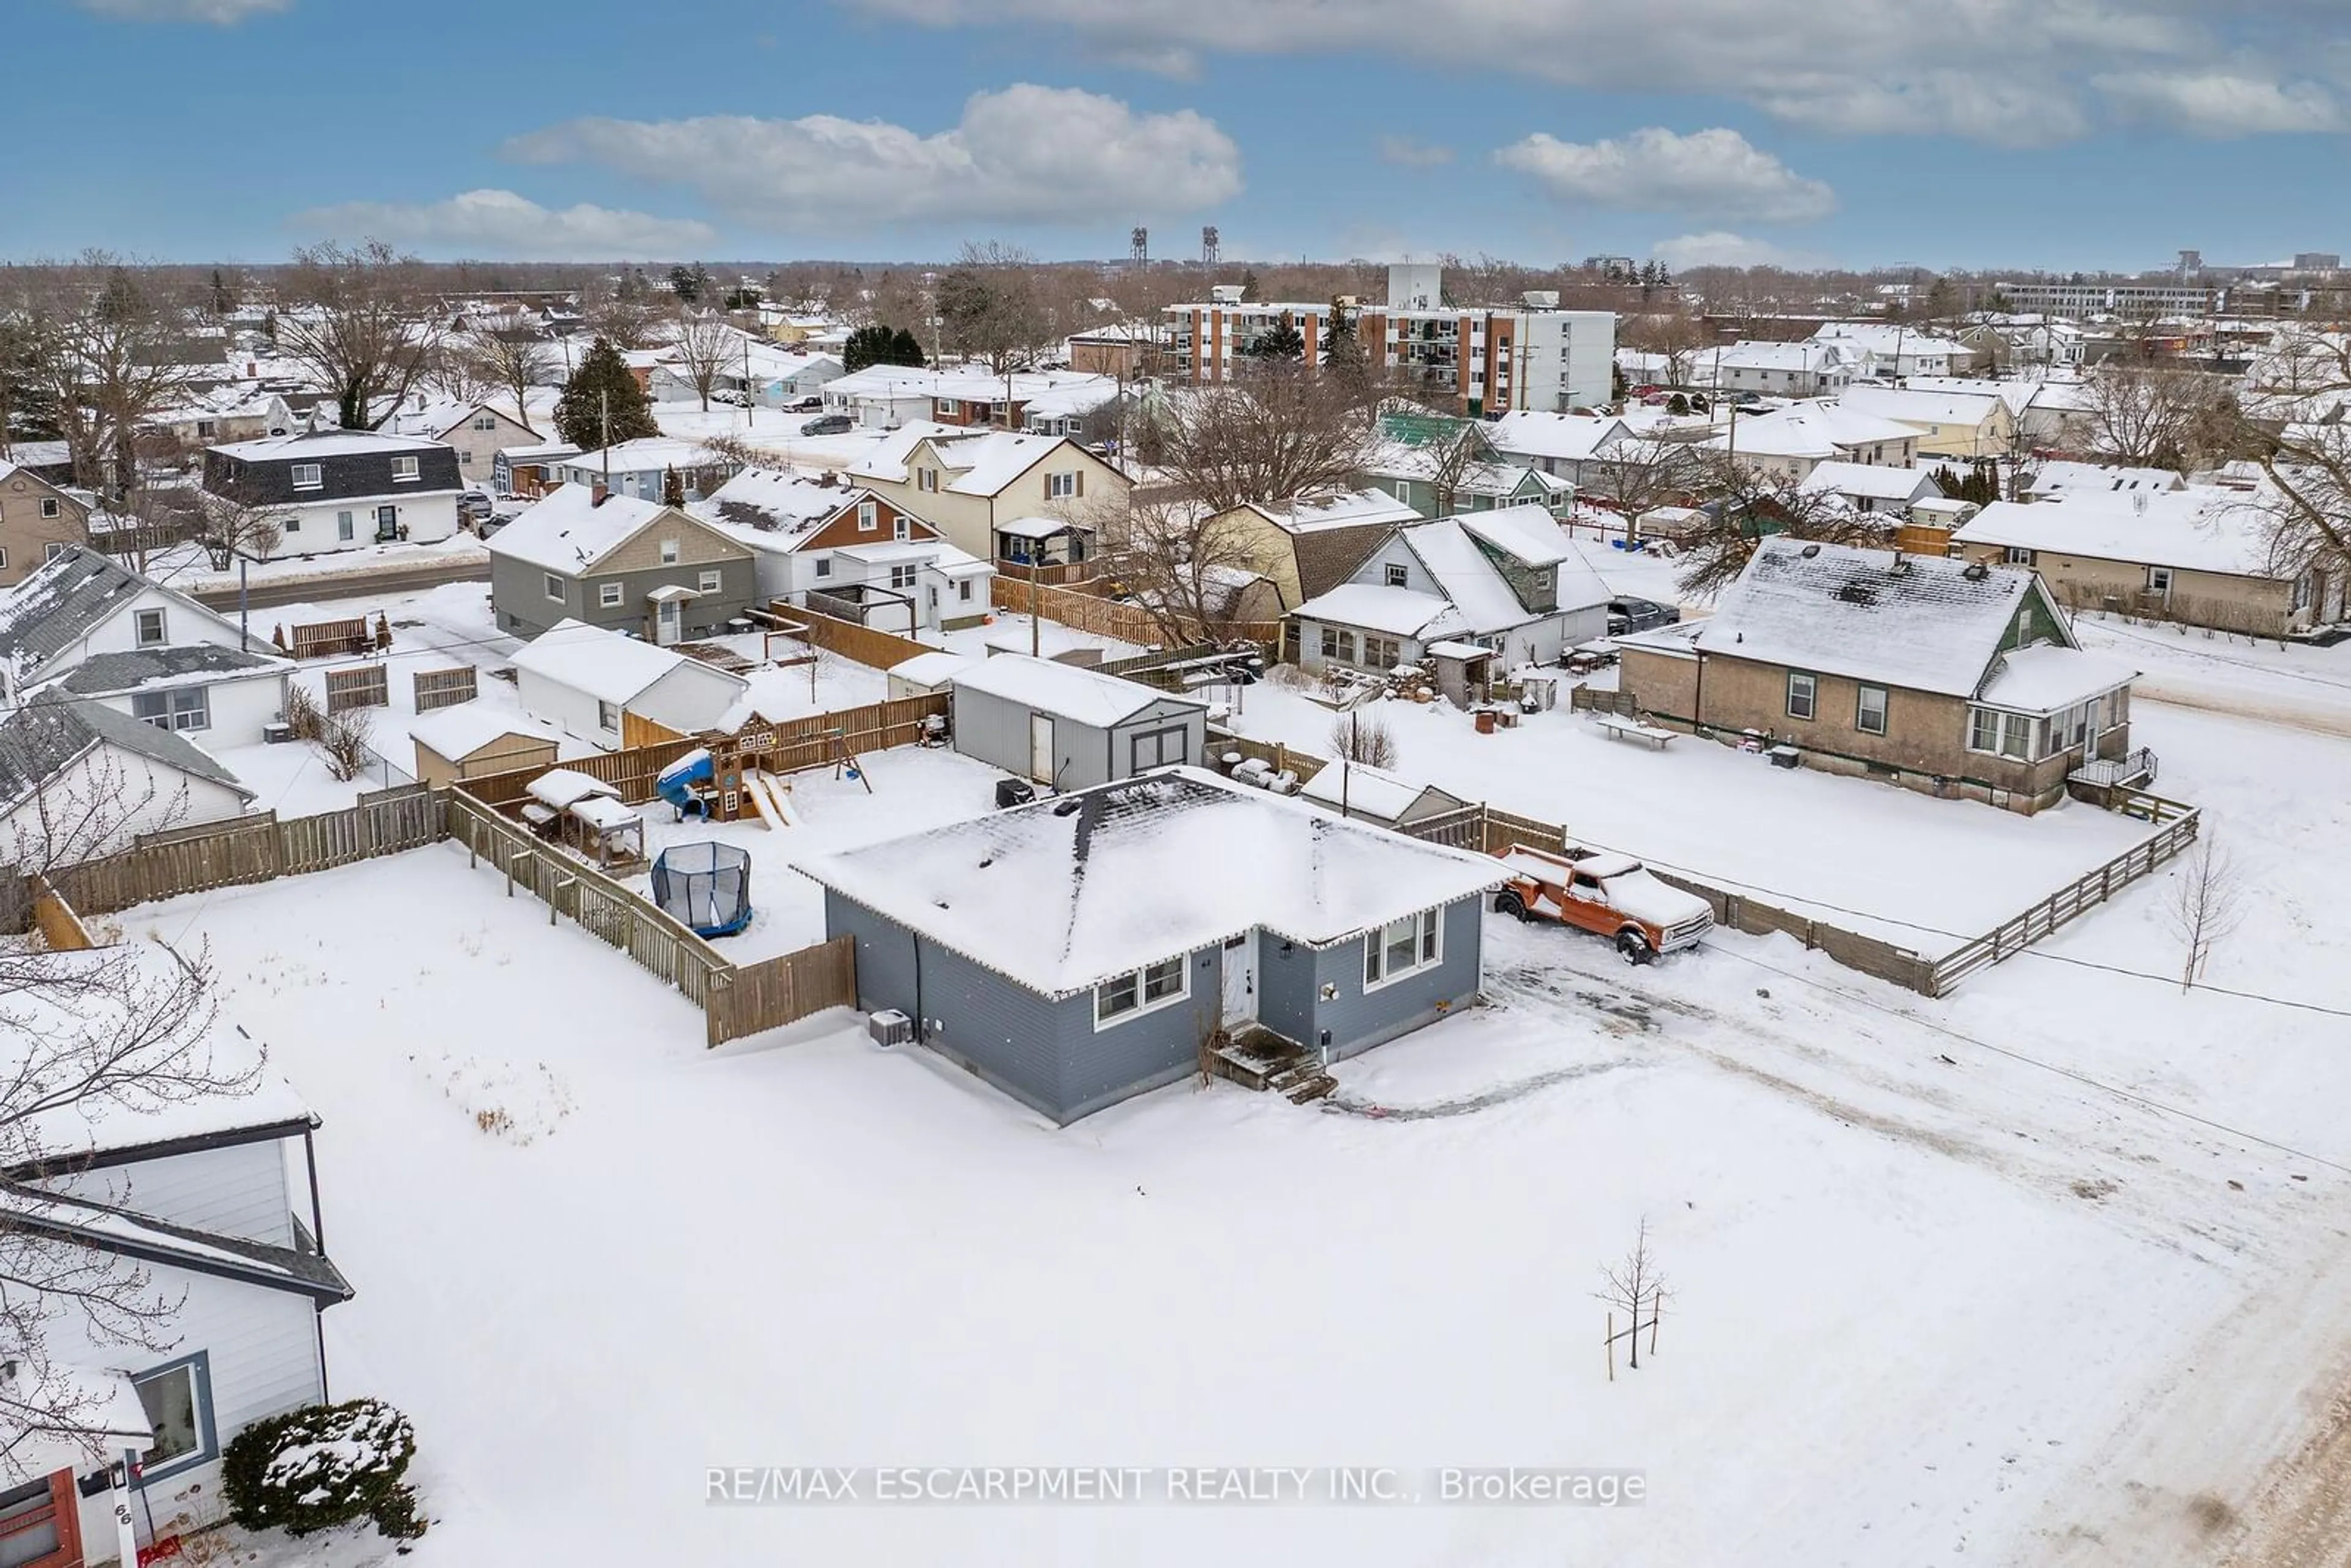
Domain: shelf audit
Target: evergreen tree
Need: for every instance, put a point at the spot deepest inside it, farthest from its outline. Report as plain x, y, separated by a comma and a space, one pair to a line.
689, 283
1678, 404
1282, 341
905, 349
222, 302
673, 489
1946, 482
602, 394
880, 345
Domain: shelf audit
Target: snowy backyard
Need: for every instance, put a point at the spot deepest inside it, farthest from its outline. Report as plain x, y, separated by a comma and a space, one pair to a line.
2015, 1277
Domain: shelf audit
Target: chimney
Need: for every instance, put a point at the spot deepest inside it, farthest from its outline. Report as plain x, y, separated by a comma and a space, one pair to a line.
598, 495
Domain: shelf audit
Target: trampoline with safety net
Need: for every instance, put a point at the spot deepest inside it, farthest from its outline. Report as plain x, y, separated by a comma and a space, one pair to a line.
705, 887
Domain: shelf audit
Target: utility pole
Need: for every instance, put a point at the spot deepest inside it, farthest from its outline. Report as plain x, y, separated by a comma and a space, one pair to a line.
604, 418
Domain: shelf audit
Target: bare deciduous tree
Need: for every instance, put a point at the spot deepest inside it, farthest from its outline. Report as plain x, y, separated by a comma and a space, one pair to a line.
515, 364
706, 349
2163, 416
1636, 1288
364, 322
343, 741
1677, 336
1184, 561
1361, 742
991, 308
237, 526
2207, 904
1742, 504
1282, 433
1638, 474
100, 343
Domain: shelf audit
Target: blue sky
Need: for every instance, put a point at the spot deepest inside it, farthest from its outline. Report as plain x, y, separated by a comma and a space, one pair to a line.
2066, 134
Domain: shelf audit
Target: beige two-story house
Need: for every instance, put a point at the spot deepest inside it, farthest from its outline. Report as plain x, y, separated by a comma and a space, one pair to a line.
1948, 676
971, 486
37, 521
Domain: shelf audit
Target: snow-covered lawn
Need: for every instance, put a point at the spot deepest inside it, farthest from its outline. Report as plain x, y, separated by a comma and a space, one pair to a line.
1918, 1308
2190, 667
1924, 874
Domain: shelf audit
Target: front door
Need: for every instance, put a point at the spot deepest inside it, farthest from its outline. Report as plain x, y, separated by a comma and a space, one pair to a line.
387, 523
1041, 749
667, 624
1240, 981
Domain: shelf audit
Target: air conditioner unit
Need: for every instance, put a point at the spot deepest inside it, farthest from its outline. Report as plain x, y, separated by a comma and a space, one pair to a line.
891, 1027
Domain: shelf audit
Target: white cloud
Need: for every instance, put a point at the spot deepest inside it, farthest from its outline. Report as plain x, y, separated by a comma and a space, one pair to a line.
1715, 173
2223, 104
2014, 72
1719, 248
1027, 154
1411, 153
500, 224
220, 13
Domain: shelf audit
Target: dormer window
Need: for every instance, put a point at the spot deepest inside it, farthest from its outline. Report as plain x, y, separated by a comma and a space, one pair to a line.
405, 470
308, 476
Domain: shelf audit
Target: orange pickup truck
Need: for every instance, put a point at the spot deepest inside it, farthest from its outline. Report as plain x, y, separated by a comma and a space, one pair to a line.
1612, 896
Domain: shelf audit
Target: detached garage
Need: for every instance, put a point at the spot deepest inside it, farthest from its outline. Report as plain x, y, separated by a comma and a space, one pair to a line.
1071, 729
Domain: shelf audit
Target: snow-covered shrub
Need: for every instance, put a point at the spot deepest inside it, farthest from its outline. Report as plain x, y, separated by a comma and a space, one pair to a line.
314, 1469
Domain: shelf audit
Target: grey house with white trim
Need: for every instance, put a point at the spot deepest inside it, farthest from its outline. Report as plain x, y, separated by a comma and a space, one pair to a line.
1068, 728
1078, 951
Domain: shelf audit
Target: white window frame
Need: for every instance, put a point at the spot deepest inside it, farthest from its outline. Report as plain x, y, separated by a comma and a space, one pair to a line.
901, 529
869, 516
824, 566
1862, 695
197, 1369
317, 480
669, 552
1382, 653
1397, 574
140, 623
1424, 931
176, 708
963, 589
950, 408
1811, 690
347, 526
1062, 487
607, 595
1981, 719
1138, 984
2158, 581
927, 480
711, 580
406, 470
555, 589
903, 576
51, 507
2015, 555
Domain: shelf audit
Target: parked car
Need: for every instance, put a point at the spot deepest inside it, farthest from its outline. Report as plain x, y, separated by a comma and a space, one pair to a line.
808, 405
474, 503
1611, 896
496, 521
829, 425
1639, 616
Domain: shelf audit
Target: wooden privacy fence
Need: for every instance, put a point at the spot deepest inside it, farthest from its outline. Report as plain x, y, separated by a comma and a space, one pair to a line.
445, 688
859, 645
59, 926
368, 686
2071, 901
260, 848
631, 770
329, 638
735, 1000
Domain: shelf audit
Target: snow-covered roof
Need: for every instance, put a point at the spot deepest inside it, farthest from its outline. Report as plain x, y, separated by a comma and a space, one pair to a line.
2046, 678
136, 1119
2073, 478
68, 597
991, 462
931, 669
1366, 790
604, 664
52, 729
1568, 437
147, 669
1873, 480
886, 459
2191, 530
1810, 357
1065, 691
1886, 338
307, 445
569, 532
768, 508
1342, 509
1061, 899
563, 787
1820, 430
1396, 612
1924, 622
459, 731
1913, 406
1043, 528
648, 454
1525, 532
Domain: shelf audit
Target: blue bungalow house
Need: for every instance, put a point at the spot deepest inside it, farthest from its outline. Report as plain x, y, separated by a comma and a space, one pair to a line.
1079, 950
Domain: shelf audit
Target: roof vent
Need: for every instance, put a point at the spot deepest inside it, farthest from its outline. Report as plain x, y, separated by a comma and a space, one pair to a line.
1069, 806
1975, 571
1811, 551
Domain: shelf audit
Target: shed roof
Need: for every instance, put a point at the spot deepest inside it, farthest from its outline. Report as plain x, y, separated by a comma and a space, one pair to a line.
604, 664
1059, 897
1065, 691
459, 731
